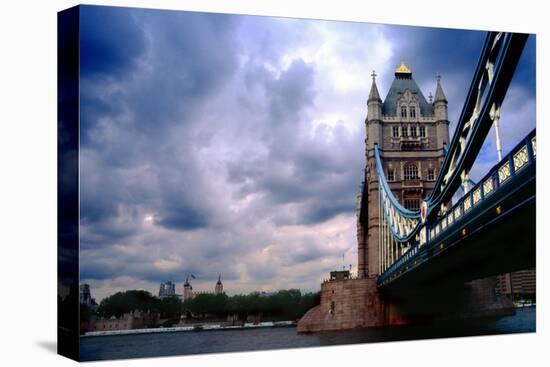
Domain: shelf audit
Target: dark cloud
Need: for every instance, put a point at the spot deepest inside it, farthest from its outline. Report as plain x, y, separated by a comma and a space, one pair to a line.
291, 92
111, 41
129, 116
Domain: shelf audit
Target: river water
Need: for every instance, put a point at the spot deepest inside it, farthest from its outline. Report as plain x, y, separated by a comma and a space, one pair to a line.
220, 341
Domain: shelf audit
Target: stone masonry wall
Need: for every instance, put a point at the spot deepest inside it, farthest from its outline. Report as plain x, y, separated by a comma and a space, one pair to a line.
349, 304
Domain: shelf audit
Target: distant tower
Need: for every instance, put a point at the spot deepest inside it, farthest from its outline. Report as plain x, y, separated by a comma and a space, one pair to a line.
411, 134
187, 290
167, 289
85, 294
219, 286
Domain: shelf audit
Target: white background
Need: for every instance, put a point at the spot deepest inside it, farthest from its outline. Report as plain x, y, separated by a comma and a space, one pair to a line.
28, 183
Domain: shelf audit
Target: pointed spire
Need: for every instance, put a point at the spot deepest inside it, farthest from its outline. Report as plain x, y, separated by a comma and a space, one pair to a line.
220, 278
439, 95
374, 95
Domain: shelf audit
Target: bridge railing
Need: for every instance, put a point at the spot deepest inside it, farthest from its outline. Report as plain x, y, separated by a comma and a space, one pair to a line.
520, 157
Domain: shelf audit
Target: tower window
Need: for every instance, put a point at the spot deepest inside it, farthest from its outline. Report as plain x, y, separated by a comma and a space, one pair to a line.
403, 111
412, 110
395, 131
423, 131
431, 174
413, 131
404, 131
411, 172
391, 175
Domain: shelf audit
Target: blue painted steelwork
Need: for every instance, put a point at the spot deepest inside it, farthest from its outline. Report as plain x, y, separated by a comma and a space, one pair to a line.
399, 218
495, 182
494, 71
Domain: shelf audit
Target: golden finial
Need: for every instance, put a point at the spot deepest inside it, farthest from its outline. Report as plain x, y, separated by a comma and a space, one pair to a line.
403, 69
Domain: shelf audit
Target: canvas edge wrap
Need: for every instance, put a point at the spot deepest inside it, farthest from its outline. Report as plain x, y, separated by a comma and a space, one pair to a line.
68, 22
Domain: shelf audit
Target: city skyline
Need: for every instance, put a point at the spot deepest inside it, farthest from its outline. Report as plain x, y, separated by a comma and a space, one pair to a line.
236, 143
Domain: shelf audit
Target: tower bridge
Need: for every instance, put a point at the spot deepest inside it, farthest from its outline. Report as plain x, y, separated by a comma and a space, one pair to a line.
421, 256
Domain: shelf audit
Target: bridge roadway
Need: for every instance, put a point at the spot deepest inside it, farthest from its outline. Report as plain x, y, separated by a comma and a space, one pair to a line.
495, 235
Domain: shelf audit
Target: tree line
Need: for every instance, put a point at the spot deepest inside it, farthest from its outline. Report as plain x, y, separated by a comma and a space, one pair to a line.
288, 304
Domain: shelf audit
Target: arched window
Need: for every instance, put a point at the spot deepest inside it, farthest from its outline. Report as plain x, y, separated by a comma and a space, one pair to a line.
404, 111
413, 131
395, 131
423, 131
411, 172
404, 131
391, 174
412, 111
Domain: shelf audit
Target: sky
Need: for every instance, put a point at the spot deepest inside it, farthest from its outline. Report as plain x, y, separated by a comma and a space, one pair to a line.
234, 145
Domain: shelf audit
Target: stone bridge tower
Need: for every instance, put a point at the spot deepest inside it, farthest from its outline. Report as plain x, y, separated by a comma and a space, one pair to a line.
411, 133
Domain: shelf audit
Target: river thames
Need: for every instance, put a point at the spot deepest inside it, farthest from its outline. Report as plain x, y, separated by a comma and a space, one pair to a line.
221, 341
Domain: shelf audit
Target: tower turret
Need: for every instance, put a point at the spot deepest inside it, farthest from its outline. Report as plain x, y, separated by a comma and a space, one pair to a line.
374, 103
441, 114
373, 121
440, 102
187, 290
219, 286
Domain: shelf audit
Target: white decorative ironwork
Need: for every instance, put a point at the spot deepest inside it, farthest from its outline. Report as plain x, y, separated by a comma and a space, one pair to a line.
534, 145
504, 172
467, 127
423, 234
467, 204
457, 212
521, 158
488, 186
477, 195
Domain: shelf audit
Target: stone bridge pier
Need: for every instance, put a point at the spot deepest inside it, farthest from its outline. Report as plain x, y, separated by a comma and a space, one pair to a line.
357, 303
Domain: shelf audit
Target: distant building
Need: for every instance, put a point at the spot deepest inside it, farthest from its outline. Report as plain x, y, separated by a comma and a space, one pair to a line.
188, 292
86, 296
167, 289
133, 320
521, 283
